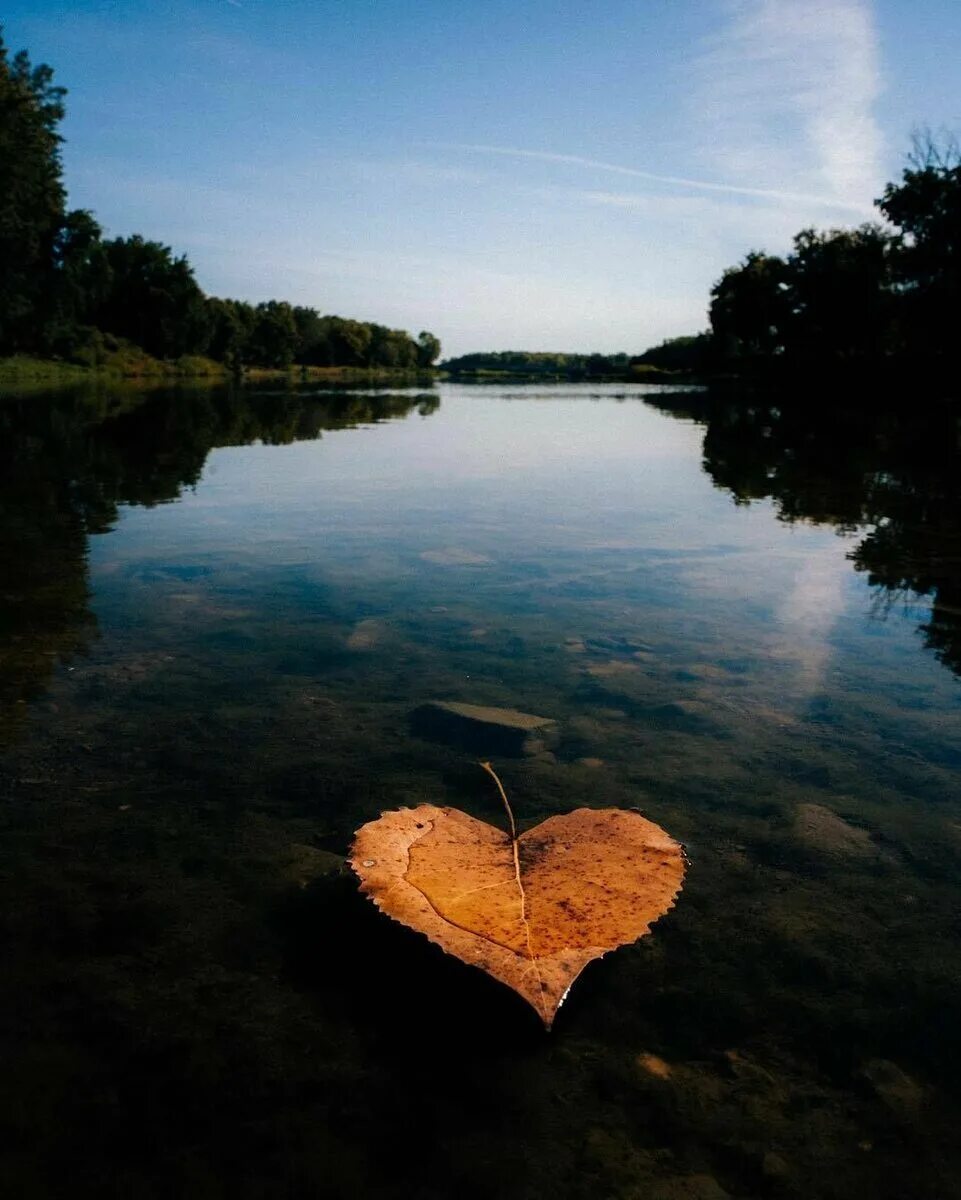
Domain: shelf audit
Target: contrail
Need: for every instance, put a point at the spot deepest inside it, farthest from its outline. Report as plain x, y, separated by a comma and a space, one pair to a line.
575, 160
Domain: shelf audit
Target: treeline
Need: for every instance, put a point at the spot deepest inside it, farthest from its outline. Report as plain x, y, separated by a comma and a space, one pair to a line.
66, 291
884, 299
691, 355
681, 355
527, 363
878, 296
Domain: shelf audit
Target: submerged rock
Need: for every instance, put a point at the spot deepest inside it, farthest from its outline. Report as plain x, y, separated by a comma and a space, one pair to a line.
455, 556
366, 634
830, 835
654, 1065
688, 1187
613, 669
695, 716
303, 864
894, 1087
484, 729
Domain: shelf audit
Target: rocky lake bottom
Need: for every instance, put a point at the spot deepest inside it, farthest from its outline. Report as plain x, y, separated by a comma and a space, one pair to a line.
221, 614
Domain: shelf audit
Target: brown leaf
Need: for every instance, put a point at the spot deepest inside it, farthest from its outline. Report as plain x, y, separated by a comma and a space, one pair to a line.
531, 912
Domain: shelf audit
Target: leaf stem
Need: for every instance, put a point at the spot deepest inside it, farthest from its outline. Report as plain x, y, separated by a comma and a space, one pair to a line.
500, 787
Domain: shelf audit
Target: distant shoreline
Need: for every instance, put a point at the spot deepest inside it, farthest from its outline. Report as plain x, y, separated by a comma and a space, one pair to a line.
637, 374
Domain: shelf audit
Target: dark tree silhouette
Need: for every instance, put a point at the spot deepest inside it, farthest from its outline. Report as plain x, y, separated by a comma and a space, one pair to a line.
153, 299
750, 309
926, 207
839, 295
32, 195
62, 287
862, 297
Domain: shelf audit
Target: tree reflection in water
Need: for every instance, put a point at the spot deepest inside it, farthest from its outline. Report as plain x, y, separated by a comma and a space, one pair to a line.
67, 461
892, 474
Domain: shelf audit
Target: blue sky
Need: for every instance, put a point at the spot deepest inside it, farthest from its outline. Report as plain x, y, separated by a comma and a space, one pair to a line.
536, 174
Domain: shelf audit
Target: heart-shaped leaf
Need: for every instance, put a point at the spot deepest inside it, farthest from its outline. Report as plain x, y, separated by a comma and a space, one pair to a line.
532, 911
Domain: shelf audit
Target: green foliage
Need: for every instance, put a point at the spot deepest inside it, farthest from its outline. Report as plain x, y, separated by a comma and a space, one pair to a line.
329, 341
23, 372
80, 279
152, 298
688, 354
311, 332
391, 348
231, 326
273, 338
32, 195
428, 349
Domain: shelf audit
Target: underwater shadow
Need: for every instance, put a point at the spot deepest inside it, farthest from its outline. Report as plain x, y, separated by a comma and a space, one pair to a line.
392, 985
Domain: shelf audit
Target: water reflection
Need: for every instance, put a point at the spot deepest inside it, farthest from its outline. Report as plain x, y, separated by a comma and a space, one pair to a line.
69, 460
892, 477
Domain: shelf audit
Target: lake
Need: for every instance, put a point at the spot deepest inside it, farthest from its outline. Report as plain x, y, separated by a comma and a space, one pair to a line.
218, 613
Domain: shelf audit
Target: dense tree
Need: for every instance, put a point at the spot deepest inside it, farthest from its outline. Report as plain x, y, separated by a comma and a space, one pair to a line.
231, 324
152, 298
689, 354
838, 290
346, 343
32, 195
273, 339
926, 208
829, 301
866, 296
750, 308
311, 332
80, 280
391, 348
428, 349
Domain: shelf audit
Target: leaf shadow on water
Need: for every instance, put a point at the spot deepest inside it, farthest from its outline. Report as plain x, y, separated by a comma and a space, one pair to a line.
395, 985
445, 1058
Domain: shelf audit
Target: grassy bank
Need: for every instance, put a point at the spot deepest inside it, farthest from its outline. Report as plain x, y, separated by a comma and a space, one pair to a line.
22, 371
337, 375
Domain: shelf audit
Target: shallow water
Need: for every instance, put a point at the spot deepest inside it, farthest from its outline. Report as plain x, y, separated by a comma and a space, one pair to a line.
219, 613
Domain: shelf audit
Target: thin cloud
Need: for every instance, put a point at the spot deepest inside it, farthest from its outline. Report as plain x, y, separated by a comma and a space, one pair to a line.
785, 92
576, 160
649, 204
412, 171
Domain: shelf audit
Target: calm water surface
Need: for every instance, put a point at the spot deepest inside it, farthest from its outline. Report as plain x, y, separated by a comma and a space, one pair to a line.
218, 614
